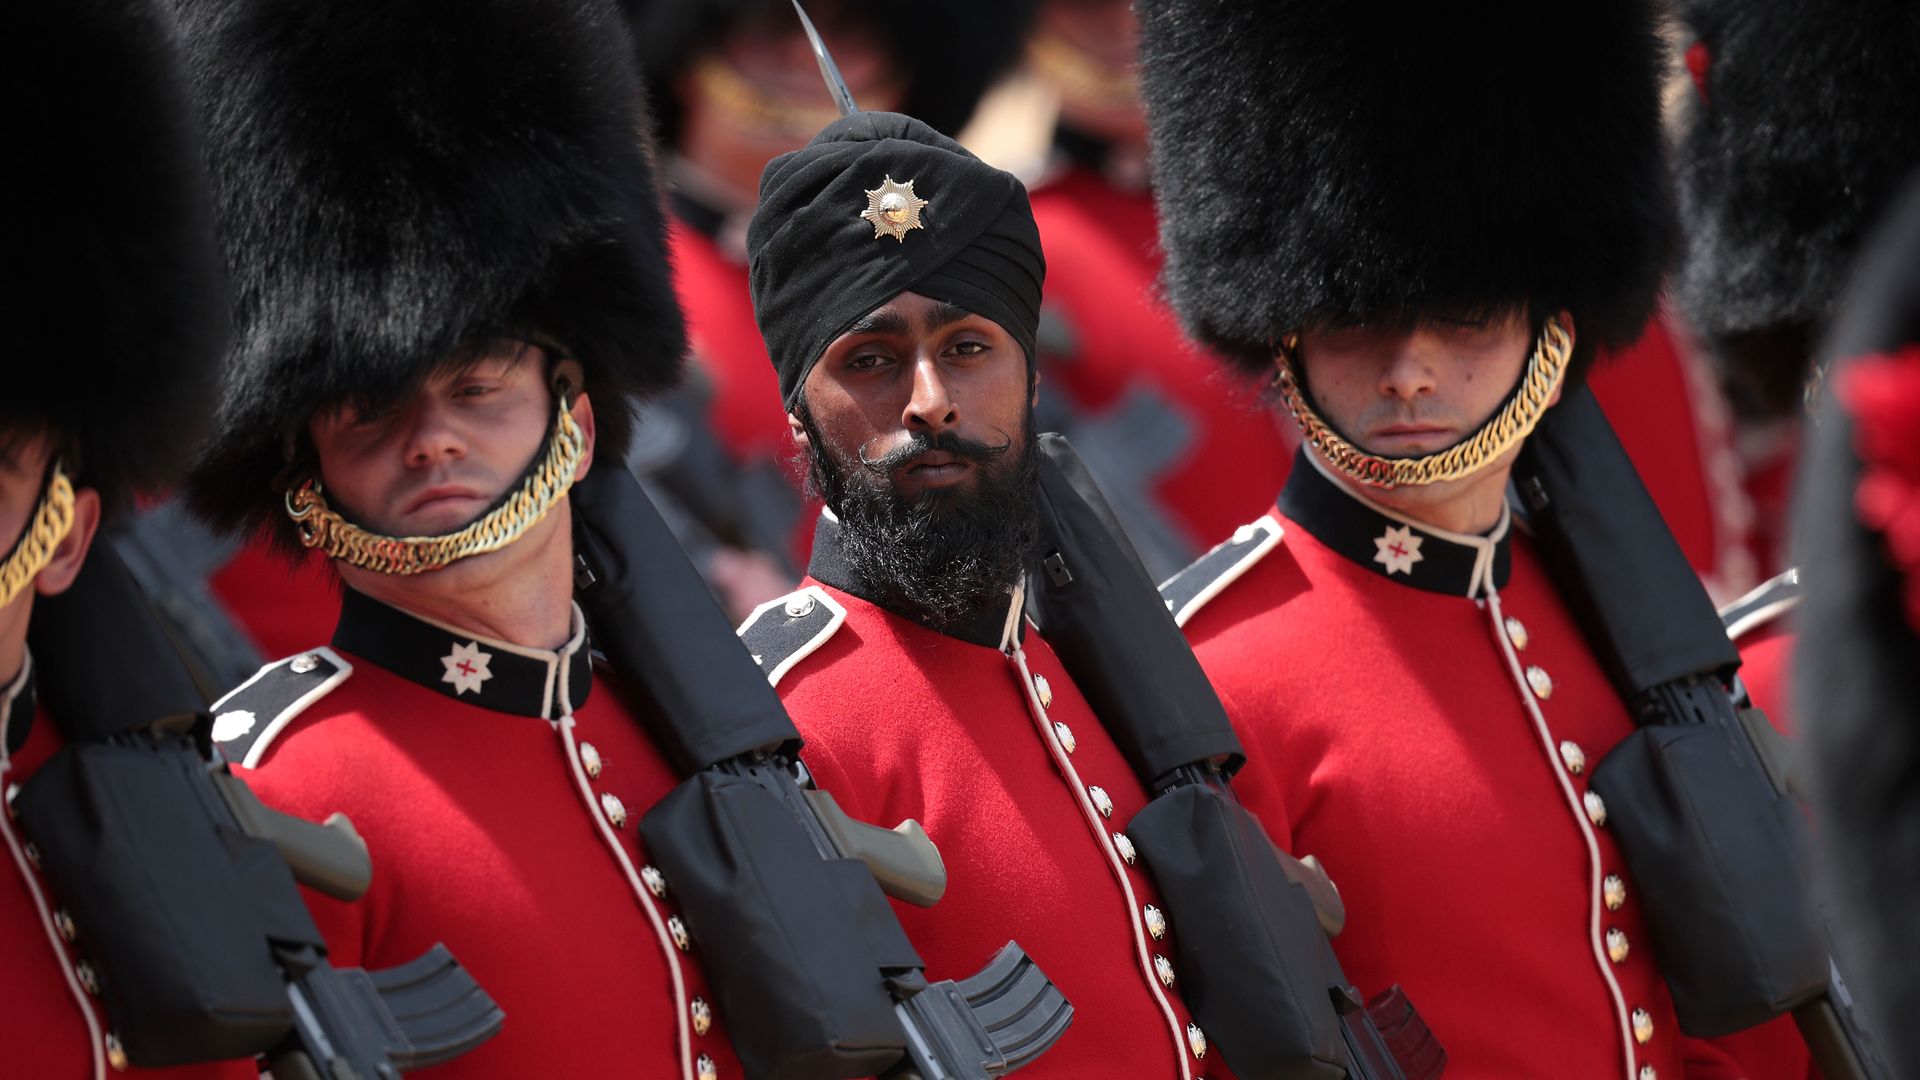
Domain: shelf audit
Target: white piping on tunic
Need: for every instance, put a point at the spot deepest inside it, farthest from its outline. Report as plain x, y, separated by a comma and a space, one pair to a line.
1492, 606
31, 879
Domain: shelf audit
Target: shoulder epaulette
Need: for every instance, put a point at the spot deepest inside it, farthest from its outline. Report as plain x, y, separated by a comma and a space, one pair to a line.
1189, 590
782, 632
1768, 602
248, 718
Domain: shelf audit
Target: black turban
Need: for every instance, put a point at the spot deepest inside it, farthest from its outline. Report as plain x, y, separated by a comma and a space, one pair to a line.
817, 266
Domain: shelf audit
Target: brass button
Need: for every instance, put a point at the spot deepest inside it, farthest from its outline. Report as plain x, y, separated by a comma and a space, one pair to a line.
1596, 807
1156, 922
1573, 757
1647, 1072
1516, 632
116, 1053
1065, 735
1642, 1026
706, 1068
654, 880
1614, 891
1617, 945
89, 979
63, 922
615, 809
32, 852
1100, 800
13, 792
702, 1016
799, 606
1197, 1039
1163, 967
304, 663
1125, 847
678, 930
590, 760
1541, 682
1043, 691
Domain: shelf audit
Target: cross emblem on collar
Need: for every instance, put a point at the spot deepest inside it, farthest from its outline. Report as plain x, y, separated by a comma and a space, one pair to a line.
467, 667
1397, 549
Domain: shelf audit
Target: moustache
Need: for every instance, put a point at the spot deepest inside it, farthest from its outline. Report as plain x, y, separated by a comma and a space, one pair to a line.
920, 443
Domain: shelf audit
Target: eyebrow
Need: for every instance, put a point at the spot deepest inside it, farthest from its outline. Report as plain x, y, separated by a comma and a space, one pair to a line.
946, 314
882, 321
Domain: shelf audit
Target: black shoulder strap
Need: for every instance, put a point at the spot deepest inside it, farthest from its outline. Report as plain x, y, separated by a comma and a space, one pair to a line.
246, 721
781, 633
1189, 590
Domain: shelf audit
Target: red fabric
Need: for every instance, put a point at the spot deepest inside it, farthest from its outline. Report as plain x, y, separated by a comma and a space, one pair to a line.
1102, 262
1882, 393
902, 722
43, 1034
284, 607
480, 839
1699, 62
1388, 735
1766, 662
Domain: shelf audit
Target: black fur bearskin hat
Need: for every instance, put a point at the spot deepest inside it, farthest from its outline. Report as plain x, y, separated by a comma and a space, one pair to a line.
1329, 162
393, 181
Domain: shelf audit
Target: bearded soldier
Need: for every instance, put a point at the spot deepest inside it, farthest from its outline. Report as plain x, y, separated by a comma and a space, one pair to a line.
1420, 232
122, 316
449, 257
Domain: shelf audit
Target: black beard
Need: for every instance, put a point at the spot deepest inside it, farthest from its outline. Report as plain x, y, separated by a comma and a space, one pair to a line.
947, 552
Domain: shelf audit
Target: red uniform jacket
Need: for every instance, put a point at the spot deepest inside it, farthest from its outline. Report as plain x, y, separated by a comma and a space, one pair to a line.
51, 1026
995, 752
1421, 712
499, 790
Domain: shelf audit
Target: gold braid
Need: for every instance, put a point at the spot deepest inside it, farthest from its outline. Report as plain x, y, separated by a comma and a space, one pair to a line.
52, 520
322, 527
1513, 423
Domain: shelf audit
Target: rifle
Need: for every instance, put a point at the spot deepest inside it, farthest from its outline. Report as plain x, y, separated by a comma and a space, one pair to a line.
816, 971
179, 885
1275, 999
1699, 796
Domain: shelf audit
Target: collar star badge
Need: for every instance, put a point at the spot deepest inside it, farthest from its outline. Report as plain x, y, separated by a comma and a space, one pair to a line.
466, 668
893, 210
1398, 550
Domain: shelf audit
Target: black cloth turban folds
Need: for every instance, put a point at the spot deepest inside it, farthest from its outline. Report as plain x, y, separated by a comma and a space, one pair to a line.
817, 266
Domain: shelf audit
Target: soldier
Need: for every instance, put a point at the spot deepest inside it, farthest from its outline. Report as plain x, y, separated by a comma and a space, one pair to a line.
897, 282
122, 316
449, 255
1420, 233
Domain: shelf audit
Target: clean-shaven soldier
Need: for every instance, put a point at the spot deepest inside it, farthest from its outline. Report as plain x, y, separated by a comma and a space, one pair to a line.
448, 250
1420, 225
897, 282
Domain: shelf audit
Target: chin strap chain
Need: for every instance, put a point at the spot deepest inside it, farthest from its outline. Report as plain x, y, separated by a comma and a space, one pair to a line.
322, 527
52, 520
1507, 429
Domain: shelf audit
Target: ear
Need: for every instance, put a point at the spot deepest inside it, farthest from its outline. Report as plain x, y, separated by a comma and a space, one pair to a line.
582, 411
1033, 388
72, 552
798, 430
1573, 335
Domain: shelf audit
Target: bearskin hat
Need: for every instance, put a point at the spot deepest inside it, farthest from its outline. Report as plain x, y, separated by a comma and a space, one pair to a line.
1798, 135
951, 51
1368, 162
119, 309
1856, 683
394, 180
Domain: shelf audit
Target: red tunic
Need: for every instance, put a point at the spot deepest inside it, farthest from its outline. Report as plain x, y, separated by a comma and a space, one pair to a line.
1421, 712
500, 801
1001, 759
50, 1028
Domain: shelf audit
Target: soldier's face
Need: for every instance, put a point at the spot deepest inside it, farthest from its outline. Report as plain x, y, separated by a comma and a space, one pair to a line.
437, 459
922, 393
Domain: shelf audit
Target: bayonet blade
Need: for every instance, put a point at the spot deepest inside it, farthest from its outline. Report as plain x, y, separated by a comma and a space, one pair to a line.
830, 71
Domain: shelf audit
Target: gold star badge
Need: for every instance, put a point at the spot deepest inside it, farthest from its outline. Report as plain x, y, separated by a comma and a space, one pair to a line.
893, 209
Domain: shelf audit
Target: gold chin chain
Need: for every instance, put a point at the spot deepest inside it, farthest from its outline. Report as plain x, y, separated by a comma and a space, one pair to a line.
1513, 423
52, 520
322, 527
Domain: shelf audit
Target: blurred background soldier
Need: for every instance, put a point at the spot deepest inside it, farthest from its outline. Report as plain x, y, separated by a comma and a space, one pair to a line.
117, 326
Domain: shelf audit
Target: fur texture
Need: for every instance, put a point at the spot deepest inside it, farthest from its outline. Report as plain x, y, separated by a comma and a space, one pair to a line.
952, 50
393, 180
1804, 135
1387, 161
119, 309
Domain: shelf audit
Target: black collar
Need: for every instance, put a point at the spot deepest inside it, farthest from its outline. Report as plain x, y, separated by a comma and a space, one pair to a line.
16, 708
1391, 545
475, 670
985, 625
